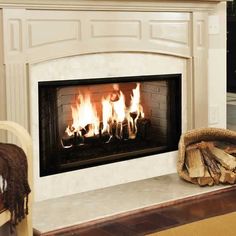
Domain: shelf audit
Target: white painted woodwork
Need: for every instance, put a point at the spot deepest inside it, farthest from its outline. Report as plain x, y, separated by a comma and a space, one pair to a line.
2, 80
124, 5
36, 35
200, 71
36, 32
16, 93
72, 33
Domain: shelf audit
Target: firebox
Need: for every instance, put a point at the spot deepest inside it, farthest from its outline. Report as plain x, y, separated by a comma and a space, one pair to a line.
90, 122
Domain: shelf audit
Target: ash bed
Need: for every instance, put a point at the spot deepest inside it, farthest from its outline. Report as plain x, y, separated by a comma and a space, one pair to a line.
23, 228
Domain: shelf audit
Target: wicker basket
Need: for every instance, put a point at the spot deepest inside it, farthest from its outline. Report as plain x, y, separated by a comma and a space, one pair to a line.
198, 135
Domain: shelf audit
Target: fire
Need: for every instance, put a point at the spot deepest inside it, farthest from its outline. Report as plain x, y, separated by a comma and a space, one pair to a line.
117, 121
84, 117
135, 102
106, 114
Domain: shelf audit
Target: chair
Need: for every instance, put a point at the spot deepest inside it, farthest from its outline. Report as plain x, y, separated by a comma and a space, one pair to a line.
24, 228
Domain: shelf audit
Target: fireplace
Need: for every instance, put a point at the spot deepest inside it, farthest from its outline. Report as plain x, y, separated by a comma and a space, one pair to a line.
52, 41
84, 123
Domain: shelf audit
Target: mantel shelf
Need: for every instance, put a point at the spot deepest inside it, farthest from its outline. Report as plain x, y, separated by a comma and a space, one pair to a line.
105, 4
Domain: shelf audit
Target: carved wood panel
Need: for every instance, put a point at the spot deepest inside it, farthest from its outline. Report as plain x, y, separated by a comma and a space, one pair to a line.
85, 32
58, 31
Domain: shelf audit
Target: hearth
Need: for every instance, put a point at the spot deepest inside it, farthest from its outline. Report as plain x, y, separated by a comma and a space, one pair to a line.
90, 122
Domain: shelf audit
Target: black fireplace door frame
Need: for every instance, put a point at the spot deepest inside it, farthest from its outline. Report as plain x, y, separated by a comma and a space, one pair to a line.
50, 144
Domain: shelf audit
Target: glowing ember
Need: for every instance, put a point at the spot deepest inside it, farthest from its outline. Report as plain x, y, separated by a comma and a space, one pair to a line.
115, 115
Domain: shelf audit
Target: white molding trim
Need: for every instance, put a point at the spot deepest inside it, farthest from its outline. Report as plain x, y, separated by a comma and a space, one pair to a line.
119, 5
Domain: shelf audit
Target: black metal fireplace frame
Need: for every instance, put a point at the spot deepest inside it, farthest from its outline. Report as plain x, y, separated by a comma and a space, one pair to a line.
48, 135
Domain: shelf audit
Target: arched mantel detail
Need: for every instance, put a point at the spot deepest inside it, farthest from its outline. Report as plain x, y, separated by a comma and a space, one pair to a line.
41, 35
31, 36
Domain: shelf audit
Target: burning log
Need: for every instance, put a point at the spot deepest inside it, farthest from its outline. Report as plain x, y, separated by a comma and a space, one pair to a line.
125, 129
143, 126
92, 140
115, 118
104, 137
133, 127
67, 141
78, 139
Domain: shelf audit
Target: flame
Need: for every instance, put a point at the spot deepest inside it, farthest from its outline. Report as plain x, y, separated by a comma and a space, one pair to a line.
68, 131
136, 111
135, 102
119, 108
106, 114
114, 114
84, 116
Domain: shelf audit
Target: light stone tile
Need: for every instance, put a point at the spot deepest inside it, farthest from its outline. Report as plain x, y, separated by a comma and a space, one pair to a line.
84, 207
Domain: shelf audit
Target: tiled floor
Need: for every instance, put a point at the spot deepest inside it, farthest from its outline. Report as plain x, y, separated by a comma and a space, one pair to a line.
222, 225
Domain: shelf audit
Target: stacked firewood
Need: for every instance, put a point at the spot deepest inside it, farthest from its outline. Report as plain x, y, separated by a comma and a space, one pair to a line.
210, 163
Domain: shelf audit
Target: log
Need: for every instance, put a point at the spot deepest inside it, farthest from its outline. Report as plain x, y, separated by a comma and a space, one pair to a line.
143, 126
216, 177
206, 180
194, 163
227, 176
209, 159
226, 160
67, 141
125, 130
230, 149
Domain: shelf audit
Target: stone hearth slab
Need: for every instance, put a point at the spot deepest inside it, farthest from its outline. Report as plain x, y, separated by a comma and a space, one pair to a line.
97, 205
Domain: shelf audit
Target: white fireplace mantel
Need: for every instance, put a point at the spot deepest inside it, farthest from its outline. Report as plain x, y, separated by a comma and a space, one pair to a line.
110, 4
34, 32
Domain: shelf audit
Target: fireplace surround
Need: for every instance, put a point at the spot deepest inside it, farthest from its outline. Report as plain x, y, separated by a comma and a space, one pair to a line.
52, 41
